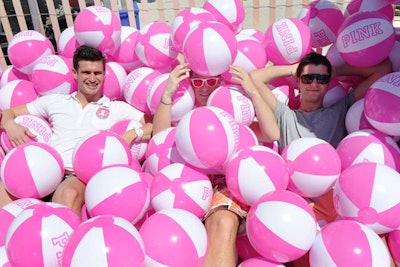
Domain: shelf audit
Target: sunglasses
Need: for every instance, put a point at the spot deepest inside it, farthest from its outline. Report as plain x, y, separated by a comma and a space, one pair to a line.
309, 78
199, 82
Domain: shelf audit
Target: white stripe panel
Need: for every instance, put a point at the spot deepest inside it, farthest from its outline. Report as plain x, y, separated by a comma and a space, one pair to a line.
379, 251
112, 145
318, 251
214, 52
386, 188
298, 146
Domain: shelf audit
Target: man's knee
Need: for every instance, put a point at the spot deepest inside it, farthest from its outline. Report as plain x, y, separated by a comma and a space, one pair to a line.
69, 193
223, 221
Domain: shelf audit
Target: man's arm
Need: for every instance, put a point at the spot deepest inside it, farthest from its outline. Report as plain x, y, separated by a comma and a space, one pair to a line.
16, 133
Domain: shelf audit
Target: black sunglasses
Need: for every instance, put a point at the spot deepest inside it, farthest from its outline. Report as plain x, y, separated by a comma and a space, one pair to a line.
309, 78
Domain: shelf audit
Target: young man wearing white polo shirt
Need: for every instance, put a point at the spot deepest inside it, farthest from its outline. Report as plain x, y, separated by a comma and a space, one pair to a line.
73, 117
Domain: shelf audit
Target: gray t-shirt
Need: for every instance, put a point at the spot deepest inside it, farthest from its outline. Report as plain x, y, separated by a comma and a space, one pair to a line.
327, 123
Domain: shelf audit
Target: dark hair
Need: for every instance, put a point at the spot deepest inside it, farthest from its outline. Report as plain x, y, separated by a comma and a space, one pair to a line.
313, 58
87, 53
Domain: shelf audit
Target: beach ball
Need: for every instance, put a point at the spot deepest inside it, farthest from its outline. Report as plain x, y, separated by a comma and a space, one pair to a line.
138, 148
348, 243
136, 86
210, 48
206, 137
383, 7
98, 27
67, 43
184, 21
244, 248
26, 48
281, 226
174, 237
229, 12
32, 170
36, 125
119, 191
368, 146
125, 54
98, 150
104, 240
287, 41
234, 101
365, 38
394, 55
255, 33
367, 192
114, 81
336, 91
393, 241
323, 18
250, 56
39, 234
9, 211
11, 74
355, 118
247, 137
162, 151
314, 166
255, 171
154, 45
334, 57
259, 262
17, 92
381, 104
52, 74
182, 187
155, 91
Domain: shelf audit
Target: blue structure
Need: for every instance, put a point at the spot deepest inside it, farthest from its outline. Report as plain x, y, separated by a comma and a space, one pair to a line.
123, 15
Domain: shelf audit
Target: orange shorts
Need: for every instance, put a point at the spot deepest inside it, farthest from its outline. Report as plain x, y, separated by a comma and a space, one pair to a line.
324, 209
223, 198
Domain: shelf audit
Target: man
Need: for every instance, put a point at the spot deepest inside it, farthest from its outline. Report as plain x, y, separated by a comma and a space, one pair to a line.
73, 117
225, 215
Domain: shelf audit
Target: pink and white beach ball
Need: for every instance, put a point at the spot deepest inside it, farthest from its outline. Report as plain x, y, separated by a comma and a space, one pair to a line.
136, 87
26, 48
367, 192
394, 55
53, 74
138, 148
17, 92
32, 170
229, 12
9, 211
348, 243
210, 48
281, 226
255, 33
11, 74
117, 190
154, 45
39, 234
186, 20
247, 137
114, 80
381, 104
104, 241
383, 7
36, 125
233, 100
287, 40
182, 187
314, 166
125, 54
324, 19
98, 150
174, 237
207, 137
393, 240
99, 27
365, 38
368, 146
67, 43
356, 119
255, 171
155, 90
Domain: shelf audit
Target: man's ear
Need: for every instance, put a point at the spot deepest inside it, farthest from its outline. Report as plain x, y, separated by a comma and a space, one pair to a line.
75, 73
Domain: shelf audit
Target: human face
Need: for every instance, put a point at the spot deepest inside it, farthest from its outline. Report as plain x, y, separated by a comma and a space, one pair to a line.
312, 94
90, 76
203, 87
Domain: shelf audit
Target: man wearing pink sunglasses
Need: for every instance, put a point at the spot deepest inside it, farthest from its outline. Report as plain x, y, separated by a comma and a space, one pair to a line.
225, 215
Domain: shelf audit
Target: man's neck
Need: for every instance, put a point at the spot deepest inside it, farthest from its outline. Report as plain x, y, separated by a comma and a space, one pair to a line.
309, 107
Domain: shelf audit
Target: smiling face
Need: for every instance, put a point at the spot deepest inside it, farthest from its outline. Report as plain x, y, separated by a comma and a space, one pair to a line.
312, 94
90, 76
203, 87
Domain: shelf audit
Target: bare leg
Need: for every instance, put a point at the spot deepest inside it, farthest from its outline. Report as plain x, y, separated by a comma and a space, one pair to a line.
71, 193
5, 197
222, 227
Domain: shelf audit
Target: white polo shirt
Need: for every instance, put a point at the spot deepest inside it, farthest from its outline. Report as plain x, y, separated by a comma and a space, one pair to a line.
70, 122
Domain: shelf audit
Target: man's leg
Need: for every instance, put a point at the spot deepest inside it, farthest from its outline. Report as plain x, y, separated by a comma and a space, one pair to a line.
71, 193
